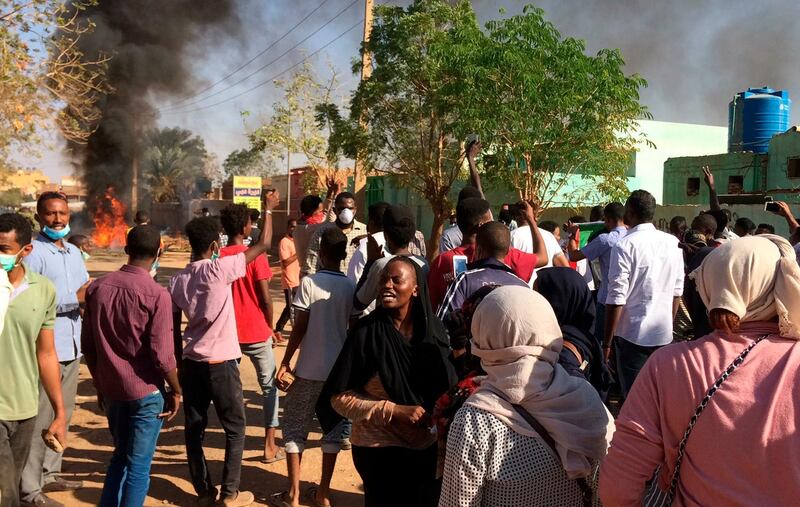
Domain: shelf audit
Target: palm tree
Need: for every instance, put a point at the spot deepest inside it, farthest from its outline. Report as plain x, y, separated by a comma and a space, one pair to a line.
172, 163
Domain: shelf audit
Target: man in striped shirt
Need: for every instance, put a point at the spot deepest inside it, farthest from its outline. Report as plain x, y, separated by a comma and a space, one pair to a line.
128, 344
493, 242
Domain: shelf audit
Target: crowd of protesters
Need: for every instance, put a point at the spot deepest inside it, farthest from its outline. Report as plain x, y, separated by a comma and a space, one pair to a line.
485, 375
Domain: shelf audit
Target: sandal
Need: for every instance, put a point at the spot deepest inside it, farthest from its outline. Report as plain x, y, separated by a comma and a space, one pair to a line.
312, 497
279, 456
279, 499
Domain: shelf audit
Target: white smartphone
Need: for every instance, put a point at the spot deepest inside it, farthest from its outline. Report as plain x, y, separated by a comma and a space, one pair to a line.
459, 264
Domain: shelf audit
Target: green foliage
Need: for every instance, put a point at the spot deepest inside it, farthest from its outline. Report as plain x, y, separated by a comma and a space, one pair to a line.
46, 80
246, 162
293, 127
548, 111
544, 109
13, 198
173, 164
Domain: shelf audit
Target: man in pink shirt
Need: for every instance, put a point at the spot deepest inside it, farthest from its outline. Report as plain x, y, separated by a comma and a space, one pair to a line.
209, 370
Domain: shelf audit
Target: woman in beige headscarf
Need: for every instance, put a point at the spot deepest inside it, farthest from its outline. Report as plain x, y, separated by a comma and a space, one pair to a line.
494, 455
744, 447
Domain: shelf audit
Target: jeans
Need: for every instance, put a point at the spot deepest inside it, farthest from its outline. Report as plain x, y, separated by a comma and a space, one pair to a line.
600, 323
263, 360
630, 360
15, 443
203, 383
287, 313
44, 465
134, 426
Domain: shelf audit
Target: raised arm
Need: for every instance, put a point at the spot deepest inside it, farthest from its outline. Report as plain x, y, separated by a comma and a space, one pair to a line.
539, 248
573, 249
786, 213
473, 150
265, 241
712, 190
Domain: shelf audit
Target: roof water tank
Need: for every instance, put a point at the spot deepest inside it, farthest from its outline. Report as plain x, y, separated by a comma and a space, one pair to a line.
735, 123
765, 112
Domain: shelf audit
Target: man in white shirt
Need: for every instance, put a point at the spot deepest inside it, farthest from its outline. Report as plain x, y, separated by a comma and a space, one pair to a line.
600, 248
375, 229
645, 283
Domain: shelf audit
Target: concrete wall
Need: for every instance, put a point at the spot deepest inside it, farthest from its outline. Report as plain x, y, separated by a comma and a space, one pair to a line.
677, 171
783, 148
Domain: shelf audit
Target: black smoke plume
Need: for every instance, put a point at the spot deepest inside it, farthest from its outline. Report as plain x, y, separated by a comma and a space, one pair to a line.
152, 44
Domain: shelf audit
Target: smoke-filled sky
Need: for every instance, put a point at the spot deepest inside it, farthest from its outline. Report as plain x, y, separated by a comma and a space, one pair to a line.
695, 55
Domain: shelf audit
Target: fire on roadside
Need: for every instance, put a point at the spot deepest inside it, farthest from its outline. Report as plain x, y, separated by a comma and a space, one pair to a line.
110, 227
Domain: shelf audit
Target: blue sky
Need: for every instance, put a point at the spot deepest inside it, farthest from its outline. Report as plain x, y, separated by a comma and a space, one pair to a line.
695, 55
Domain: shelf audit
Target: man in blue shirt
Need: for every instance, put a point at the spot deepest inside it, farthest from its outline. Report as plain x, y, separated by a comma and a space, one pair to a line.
600, 248
62, 264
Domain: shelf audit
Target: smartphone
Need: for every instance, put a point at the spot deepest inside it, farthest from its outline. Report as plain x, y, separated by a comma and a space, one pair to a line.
772, 207
473, 138
459, 264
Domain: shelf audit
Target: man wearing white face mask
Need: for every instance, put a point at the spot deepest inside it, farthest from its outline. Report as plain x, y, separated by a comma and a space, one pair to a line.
62, 263
345, 208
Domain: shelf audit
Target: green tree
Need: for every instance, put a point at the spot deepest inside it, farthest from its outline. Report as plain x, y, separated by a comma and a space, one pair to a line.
246, 162
293, 127
13, 198
405, 119
46, 80
551, 114
173, 164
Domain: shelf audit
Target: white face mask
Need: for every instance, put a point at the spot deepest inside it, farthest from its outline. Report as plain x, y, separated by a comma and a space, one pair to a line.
346, 216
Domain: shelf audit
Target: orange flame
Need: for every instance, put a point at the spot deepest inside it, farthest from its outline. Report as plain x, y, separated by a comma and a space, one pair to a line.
110, 227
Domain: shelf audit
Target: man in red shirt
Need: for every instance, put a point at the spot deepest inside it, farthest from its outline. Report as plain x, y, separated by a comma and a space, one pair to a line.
471, 213
252, 305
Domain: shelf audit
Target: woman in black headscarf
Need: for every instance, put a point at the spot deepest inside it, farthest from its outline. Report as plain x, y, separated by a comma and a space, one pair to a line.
582, 355
392, 369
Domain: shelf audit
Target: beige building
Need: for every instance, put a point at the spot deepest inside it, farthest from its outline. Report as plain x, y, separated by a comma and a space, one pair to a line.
29, 182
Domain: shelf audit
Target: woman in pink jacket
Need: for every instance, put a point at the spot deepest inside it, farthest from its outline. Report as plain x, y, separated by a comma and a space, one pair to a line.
716, 420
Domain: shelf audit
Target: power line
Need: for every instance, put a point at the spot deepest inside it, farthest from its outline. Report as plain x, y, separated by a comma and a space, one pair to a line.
315, 32
267, 81
248, 62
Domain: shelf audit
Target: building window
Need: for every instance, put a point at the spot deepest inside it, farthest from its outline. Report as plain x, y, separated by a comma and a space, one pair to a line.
793, 167
692, 187
735, 184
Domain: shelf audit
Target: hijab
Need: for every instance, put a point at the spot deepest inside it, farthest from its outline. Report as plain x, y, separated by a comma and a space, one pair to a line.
571, 300
757, 278
415, 372
517, 337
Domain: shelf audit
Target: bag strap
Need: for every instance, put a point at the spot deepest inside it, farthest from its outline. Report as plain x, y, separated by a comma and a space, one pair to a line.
587, 494
673, 484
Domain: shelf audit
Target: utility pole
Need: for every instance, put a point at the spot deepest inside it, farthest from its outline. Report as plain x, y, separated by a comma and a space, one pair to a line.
359, 170
288, 182
135, 166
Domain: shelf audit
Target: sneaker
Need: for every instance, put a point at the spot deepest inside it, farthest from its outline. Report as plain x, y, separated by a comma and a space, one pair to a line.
346, 445
61, 484
42, 501
241, 499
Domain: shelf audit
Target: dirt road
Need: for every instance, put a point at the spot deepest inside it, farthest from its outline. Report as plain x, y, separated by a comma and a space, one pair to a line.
90, 443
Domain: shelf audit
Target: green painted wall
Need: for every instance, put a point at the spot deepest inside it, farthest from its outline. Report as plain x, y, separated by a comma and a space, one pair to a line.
766, 174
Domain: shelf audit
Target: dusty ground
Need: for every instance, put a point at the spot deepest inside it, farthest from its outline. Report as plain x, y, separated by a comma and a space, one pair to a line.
90, 442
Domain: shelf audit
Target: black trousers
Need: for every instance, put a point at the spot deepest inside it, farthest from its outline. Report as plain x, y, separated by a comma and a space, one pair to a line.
15, 443
288, 295
630, 360
203, 383
397, 476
